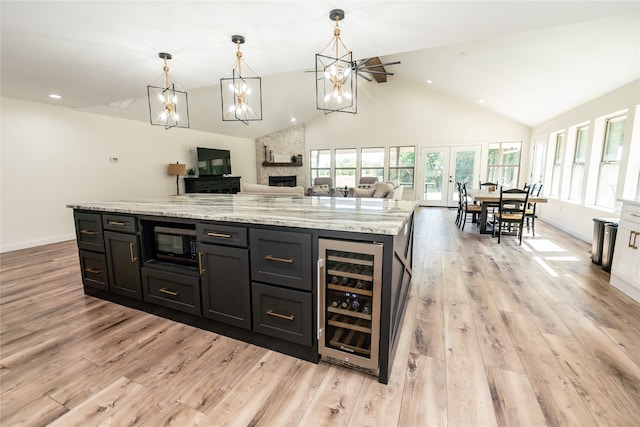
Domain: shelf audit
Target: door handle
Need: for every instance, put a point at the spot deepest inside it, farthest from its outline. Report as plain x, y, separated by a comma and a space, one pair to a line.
133, 257
322, 289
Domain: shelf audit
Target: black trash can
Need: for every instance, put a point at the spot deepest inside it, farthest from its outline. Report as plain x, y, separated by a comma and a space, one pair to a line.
608, 243
598, 238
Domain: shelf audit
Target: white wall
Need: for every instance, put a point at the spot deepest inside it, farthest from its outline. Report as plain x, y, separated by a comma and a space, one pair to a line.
577, 219
53, 156
401, 112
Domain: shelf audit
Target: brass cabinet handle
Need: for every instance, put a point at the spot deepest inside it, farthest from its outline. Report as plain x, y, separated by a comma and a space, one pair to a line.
112, 222
89, 232
133, 257
273, 258
290, 317
632, 235
202, 270
92, 270
168, 291
212, 234
635, 236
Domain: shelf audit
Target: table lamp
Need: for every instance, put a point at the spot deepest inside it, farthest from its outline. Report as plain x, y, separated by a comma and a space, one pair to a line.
177, 169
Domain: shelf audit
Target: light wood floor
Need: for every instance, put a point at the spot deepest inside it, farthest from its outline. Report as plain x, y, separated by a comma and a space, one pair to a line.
493, 335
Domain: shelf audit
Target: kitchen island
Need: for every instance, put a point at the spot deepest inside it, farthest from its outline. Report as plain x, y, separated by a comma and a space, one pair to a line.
313, 277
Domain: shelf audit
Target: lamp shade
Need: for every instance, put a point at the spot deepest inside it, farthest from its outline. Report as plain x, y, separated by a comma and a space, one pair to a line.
177, 169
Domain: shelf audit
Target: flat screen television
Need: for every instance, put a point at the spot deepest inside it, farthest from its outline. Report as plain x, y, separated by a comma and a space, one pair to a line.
213, 162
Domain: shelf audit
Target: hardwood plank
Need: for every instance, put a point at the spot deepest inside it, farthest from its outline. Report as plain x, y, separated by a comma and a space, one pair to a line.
39, 412
559, 401
513, 399
335, 400
251, 391
608, 404
423, 401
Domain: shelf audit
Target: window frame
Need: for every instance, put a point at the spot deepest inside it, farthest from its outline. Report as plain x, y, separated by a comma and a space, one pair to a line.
398, 169
315, 169
501, 166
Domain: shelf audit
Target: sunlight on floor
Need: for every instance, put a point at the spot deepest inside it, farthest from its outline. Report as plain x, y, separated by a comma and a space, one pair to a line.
543, 245
545, 266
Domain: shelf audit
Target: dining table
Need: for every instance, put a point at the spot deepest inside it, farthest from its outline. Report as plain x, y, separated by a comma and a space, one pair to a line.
491, 199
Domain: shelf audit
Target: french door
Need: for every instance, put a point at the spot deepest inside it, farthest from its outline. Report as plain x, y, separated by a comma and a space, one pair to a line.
441, 167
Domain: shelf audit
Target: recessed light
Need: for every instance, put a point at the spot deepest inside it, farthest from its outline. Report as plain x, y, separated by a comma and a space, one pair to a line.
293, 119
55, 96
429, 82
480, 100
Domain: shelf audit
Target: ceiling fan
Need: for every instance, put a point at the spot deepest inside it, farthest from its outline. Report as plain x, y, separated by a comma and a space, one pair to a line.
370, 69
374, 68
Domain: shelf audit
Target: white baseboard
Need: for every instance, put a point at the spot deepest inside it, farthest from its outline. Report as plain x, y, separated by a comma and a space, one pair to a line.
34, 243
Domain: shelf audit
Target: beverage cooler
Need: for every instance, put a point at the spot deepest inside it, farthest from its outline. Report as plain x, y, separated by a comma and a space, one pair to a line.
350, 282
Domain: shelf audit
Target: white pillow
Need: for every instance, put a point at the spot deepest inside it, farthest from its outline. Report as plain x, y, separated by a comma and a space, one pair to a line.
383, 189
366, 185
323, 188
363, 192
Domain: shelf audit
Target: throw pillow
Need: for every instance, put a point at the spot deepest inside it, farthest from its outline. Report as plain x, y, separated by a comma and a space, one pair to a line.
366, 185
323, 188
363, 192
383, 189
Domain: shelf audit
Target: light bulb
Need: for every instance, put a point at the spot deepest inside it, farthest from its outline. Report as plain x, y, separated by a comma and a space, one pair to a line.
176, 116
163, 115
347, 95
248, 91
232, 108
327, 97
333, 70
232, 87
347, 71
339, 99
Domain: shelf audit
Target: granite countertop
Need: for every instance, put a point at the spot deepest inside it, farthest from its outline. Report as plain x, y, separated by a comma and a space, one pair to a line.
360, 215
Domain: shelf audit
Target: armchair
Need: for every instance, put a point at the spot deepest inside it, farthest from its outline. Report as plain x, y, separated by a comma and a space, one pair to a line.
322, 186
365, 185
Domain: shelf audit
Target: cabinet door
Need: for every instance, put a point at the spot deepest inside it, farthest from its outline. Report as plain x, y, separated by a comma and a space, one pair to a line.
626, 258
93, 267
225, 285
123, 264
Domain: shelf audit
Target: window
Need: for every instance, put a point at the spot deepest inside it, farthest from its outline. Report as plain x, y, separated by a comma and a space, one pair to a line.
372, 162
557, 165
345, 167
578, 167
610, 161
504, 163
320, 163
401, 165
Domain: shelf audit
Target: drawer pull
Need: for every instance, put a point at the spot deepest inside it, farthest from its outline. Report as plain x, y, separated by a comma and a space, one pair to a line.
133, 257
631, 236
280, 316
635, 236
112, 222
202, 270
89, 232
634, 214
273, 258
168, 291
212, 234
92, 270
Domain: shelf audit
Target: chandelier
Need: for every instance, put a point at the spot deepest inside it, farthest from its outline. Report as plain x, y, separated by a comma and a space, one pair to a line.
336, 78
168, 104
241, 94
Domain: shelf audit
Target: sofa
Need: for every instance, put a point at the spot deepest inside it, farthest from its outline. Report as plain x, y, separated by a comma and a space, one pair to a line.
386, 190
270, 190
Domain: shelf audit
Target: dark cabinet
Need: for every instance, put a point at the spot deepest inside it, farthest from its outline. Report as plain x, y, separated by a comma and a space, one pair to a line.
123, 263
173, 290
89, 231
281, 258
282, 313
212, 184
226, 293
93, 268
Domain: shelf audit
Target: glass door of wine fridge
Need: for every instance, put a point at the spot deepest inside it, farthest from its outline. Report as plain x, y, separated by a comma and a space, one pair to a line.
350, 281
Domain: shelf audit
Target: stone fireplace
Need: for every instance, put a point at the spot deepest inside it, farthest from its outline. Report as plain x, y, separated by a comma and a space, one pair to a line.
283, 181
273, 158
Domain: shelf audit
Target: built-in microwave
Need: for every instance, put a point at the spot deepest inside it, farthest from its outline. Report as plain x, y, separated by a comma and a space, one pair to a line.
176, 245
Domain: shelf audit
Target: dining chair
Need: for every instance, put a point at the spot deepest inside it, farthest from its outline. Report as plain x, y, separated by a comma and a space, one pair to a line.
467, 207
511, 212
459, 213
490, 207
530, 213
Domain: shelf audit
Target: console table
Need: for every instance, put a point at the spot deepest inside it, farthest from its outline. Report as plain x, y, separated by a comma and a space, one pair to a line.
212, 184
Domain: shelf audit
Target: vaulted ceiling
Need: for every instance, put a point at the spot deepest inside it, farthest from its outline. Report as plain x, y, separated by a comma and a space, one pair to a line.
527, 60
